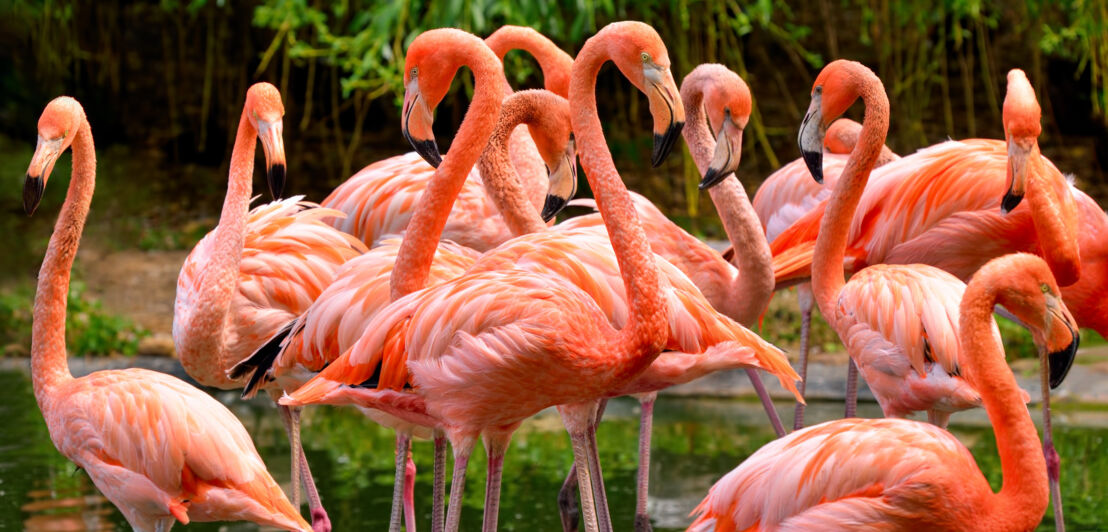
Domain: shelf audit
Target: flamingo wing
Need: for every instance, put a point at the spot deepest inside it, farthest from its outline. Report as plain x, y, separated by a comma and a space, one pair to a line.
157, 446
379, 201
849, 474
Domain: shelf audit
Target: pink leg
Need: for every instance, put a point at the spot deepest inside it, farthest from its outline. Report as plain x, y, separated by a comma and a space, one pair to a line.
804, 293
292, 428
403, 443
604, 519
767, 402
567, 502
439, 505
851, 389
320, 521
1053, 461
495, 446
409, 492
646, 422
463, 445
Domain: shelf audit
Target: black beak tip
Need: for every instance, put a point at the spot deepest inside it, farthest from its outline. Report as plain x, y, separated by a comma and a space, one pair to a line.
814, 160
663, 144
1010, 202
32, 194
276, 177
429, 150
1061, 361
552, 206
711, 178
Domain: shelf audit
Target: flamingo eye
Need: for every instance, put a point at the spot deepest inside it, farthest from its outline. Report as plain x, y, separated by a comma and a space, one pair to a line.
645, 57
415, 72
1045, 288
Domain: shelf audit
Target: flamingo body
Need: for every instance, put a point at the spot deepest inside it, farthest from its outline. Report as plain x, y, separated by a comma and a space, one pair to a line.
162, 450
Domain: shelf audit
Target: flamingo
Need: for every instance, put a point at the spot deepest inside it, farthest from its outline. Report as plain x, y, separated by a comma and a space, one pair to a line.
329, 327
159, 449
743, 293
524, 256
380, 199
790, 193
896, 474
255, 272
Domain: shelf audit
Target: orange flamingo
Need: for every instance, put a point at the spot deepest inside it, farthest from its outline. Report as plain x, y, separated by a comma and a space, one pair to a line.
255, 272
159, 449
790, 193
541, 257
379, 200
895, 474
553, 61
715, 141
329, 328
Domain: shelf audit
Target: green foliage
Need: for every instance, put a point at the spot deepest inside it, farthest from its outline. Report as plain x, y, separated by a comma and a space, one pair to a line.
90, 330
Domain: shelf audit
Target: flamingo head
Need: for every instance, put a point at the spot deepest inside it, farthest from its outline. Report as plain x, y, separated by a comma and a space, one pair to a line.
265, 111
1022, 117
549, 124
727, 103
1031, 294
432, 62
639, 53
57, 127
836, 88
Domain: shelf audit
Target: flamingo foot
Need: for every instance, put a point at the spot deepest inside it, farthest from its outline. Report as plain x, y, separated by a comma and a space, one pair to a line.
320, 521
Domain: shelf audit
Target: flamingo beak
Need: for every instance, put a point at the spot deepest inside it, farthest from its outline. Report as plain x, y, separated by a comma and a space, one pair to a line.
667, 109
729, 149
1063, 339
810, 138
417, 120
563, 182
273, 145
1018, 155
42, 163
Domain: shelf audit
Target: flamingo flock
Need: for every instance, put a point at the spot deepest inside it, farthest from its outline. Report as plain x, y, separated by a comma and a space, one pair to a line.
435, 294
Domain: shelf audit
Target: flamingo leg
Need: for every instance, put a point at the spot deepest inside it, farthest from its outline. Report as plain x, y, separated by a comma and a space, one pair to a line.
403, 442
292, 427
409, 492
320, 521
1053, 461
604, 519
804, 294
462, 447
578, 418
439, 504
851, 389
938, 418
567, 502
646, 422
495, 446
767, 402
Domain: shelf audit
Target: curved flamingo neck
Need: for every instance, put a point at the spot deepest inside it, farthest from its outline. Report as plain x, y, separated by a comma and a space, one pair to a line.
828, 275
639, 342
49, 366
1023, 493
1054, 214
752, 287
554, 63
502, 183
421, 238
203, 346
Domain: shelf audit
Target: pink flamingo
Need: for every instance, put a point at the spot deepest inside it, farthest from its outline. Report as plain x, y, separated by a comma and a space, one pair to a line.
159, 449
743, 293
554, 63
532, 253
379, 200
895, 474
790, 193
255, 272
329, 327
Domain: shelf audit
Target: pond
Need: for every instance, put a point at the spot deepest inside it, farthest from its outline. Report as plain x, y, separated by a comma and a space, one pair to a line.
695, 442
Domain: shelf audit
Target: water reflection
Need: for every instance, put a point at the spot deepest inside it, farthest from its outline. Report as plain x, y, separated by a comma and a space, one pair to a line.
695, 442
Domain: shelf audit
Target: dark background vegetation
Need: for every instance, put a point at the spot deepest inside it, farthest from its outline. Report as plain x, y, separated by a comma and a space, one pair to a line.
163, 85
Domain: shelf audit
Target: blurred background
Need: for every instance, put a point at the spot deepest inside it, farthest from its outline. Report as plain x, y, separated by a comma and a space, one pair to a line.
163, 85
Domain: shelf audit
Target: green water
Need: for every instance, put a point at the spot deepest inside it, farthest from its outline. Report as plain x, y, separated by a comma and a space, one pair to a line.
695, 442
